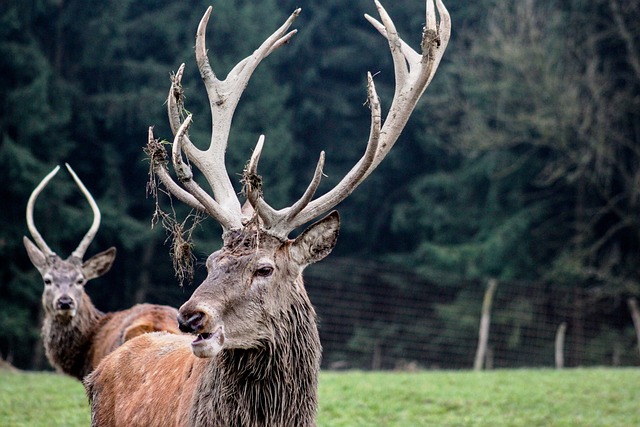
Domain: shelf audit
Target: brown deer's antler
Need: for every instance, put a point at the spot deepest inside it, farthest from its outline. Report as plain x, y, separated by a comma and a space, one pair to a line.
224, 96
413, 73
88, 237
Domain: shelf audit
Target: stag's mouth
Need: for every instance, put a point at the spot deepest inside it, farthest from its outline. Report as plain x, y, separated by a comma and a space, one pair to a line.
208, 344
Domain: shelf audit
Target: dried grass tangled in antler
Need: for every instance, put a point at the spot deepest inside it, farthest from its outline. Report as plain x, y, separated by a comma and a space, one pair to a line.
182, 245
178, 95
177, 232
251, 182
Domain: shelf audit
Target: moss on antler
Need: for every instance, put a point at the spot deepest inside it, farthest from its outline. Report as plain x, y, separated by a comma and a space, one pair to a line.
251, 182
182, 246
178, 232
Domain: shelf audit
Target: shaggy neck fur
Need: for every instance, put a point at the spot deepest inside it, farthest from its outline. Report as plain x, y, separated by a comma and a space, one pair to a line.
274, 385
67, 341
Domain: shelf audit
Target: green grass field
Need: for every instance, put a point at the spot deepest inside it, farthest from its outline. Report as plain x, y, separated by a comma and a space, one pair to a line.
527, 398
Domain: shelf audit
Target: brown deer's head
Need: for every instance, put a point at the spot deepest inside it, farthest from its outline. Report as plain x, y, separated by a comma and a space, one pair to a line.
253, 293
64, 280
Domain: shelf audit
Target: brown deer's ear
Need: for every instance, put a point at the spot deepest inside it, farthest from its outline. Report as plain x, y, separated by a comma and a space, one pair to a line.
99, 264
37, 257
317, 241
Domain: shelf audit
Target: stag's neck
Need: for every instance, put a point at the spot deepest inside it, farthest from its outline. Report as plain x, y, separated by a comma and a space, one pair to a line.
274, 385
68, 341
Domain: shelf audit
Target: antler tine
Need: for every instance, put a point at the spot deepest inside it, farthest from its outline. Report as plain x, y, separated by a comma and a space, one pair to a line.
228, 219
270, 217
388, 30
226, 93
30, 204
253, 191
413, 73
88, 237
307, 196
175, 100
157, 153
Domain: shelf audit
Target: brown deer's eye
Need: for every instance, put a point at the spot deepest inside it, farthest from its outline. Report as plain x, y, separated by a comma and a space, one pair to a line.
264, 271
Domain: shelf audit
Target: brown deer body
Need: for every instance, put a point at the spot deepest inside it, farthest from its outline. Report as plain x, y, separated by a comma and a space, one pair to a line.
256, 355
271, 353
75, 334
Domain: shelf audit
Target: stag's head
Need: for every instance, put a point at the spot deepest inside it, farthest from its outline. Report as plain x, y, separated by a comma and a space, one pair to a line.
64, 280
255, 279
253, 282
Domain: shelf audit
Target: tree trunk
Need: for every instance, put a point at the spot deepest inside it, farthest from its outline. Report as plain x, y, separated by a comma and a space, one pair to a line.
485, 321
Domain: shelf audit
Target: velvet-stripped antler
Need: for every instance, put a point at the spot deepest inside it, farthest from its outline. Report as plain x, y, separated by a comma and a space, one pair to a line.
413, 73
224, 96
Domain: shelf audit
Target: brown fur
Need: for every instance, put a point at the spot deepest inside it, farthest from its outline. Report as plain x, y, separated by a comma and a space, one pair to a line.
121, 326
75, 344
266, 370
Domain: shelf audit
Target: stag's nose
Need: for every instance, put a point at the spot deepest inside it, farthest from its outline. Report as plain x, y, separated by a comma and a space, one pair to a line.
64, 303
192, 324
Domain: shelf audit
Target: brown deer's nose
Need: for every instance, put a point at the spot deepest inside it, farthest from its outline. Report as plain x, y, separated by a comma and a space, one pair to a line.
193, 324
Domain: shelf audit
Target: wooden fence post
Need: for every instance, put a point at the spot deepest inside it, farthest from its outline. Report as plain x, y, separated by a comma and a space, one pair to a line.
485, 321
559, 348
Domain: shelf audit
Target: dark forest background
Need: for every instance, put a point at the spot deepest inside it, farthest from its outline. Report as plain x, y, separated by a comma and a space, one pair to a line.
521, 163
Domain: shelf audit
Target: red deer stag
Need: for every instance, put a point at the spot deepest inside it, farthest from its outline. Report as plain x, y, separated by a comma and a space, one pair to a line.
256, 353
76, 335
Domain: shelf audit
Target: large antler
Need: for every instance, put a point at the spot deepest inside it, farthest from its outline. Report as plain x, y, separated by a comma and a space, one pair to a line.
413, 73
88, 237
224, 96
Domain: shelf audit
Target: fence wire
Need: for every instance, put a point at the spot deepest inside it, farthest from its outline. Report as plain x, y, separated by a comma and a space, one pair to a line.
375, 316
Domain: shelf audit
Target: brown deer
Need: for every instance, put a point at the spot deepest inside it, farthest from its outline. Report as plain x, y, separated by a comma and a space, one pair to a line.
75, 334
256, 354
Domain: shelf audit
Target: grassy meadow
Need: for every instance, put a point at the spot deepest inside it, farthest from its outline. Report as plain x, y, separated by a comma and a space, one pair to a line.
526, 397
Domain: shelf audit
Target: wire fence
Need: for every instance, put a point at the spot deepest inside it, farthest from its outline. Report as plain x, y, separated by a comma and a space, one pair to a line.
374, 316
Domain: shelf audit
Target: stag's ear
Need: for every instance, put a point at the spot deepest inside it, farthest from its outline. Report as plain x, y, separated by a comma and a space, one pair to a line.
99, 264
317, 241
37, 257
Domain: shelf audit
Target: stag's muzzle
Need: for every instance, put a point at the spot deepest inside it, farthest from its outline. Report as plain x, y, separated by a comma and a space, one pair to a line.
209, 333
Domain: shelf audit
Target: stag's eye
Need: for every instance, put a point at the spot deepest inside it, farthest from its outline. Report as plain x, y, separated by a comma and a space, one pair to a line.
264, 271
47, 282
80, 282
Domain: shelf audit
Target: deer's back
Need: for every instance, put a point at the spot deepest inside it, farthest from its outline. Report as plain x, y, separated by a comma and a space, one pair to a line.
148, 381
119, 327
